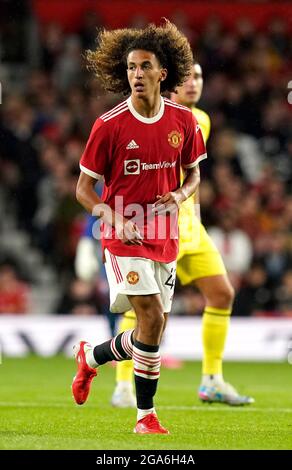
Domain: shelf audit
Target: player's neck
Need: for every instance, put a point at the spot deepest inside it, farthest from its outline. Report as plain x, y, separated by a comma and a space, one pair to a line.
147, 107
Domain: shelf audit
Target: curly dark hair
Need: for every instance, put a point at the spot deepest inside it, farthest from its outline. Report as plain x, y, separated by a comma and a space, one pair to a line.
170, 46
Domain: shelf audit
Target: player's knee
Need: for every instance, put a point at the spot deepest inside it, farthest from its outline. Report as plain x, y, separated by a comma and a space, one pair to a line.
151, 322
223, 297
226, 296
154, 319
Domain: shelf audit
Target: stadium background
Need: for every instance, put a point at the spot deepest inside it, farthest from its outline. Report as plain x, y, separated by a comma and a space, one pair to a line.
49, 103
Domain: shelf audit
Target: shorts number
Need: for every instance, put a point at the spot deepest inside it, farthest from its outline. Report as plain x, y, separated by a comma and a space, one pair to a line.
170, 282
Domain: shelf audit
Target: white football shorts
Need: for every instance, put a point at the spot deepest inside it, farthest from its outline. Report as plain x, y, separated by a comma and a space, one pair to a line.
138, 276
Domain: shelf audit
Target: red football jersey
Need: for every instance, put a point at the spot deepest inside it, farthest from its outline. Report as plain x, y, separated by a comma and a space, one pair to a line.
139, 159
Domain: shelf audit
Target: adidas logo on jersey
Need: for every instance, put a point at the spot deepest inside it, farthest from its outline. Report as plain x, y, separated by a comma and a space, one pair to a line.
132, 145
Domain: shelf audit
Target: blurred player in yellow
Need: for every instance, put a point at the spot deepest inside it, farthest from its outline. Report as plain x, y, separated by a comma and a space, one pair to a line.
199, 263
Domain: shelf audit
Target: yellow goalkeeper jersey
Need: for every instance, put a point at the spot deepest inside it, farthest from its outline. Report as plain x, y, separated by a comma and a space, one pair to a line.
191, 230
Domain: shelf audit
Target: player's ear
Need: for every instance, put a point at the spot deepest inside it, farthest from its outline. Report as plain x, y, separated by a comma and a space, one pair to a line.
163, 74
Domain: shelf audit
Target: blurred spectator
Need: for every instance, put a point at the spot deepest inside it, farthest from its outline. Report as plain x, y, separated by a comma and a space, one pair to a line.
14, 293
207, 199
21, 170
284, 294
87, 298
52, 44
246, 184
224, 150
181, 20
79, 299
254, 295
278, 259
193, 302
249, 218
88, 32
246, 32
278, 33
282, 163
68, 68
13, 34
233, 244
188, 301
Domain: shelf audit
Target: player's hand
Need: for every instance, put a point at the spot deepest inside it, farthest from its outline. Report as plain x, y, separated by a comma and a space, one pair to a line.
169, 203
129, 233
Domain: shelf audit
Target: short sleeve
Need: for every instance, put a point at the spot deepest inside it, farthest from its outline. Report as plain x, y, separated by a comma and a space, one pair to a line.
95, 158
194, 150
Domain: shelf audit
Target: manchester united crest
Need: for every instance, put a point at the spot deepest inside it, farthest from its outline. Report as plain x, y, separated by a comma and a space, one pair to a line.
174, 139
132, 277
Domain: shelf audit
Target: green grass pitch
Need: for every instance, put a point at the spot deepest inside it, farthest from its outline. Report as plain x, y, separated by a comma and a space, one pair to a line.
37, 410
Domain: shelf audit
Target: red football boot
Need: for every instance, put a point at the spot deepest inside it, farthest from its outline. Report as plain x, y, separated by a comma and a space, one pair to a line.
150, 425
85, 374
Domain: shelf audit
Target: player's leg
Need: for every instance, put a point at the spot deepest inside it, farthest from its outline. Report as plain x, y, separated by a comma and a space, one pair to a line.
124, 396
206, 270
151, 322
89, 358
132, 285
210, 276
120, 347
219, 296
146, 357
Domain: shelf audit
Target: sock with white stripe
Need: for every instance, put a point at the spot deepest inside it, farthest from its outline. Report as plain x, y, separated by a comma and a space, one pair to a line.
119, 348
142, 413
147, 371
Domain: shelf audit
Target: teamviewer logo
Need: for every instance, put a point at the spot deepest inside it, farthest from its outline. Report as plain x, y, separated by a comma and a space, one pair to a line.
132, 167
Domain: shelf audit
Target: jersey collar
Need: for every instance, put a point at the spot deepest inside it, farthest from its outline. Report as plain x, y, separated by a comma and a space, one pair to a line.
145, 119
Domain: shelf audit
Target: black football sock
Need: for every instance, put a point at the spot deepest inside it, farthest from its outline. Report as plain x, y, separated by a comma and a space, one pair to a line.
147, 370
119, 348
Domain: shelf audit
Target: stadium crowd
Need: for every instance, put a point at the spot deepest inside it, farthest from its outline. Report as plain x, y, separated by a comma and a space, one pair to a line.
49, 103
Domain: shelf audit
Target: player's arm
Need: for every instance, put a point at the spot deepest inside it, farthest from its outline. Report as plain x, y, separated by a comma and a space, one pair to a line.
85, 193
205, 125
192, 153
192, 188
196, 152
190, 184
173, 200
93, 165
197, 203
